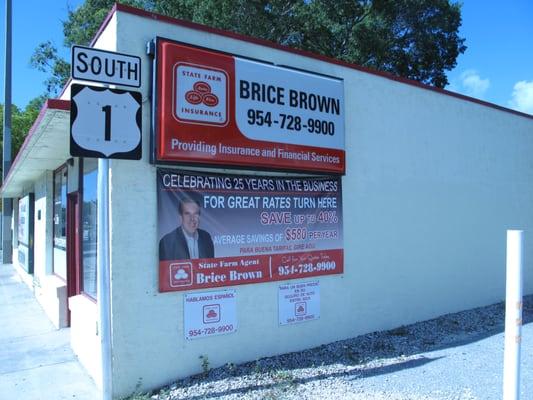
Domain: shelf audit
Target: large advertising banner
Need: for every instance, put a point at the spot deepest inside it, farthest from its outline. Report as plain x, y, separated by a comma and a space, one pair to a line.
215, 108
224, 230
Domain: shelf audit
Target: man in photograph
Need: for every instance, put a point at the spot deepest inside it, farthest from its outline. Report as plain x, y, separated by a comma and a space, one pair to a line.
187, 241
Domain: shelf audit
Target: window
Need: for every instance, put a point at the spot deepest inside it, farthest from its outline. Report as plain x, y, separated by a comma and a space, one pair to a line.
88, 226
60, 222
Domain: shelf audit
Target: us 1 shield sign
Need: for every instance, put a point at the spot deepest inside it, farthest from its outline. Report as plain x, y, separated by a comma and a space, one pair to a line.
105, 123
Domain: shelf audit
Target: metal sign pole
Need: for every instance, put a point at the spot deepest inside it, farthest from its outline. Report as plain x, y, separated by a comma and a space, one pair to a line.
513, 316
103, 276
7, 205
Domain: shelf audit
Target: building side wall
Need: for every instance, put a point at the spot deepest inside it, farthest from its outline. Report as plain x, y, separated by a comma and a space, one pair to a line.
50, 290
84, 337
432, 183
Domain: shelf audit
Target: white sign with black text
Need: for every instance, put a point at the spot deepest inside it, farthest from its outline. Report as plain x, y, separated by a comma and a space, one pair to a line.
105, 66
209, 313
288, 106
299, 302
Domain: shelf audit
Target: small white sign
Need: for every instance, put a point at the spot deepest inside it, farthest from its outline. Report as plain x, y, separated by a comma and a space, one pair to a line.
105, 66
209, 313
299, 302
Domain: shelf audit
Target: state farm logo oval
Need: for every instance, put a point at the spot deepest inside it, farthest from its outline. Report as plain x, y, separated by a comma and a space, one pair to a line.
193, 97
200, 95
202, 87
210, 100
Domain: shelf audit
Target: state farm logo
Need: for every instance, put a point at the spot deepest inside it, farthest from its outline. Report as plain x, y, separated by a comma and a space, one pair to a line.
180, 274
201, 95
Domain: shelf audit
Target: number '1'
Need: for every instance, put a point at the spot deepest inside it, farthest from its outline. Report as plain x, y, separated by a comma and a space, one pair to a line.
107, 111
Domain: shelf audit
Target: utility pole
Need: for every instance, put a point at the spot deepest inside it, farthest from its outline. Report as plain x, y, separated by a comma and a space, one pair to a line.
7, 205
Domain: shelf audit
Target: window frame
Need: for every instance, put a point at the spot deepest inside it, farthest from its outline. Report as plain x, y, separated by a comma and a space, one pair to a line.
56, 172
81, 189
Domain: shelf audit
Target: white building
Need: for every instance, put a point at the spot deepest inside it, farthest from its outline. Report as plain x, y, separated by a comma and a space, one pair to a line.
432, 182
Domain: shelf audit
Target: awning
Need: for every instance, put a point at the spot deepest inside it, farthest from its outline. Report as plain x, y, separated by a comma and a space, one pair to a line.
46, 147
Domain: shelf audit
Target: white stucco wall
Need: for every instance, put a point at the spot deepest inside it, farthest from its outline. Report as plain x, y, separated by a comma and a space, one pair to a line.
50, 291
84, 337
431, 185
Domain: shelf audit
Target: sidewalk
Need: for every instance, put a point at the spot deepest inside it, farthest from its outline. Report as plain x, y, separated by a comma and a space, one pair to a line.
36, 361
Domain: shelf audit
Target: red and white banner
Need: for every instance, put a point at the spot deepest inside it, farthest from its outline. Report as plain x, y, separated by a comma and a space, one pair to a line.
224, 230
214, 108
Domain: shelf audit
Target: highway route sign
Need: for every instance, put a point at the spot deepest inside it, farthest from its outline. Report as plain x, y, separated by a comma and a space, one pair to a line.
105, 123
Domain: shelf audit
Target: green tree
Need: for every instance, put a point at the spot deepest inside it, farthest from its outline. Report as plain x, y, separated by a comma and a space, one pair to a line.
415, 39
278, 21
46, 59
79, 28
21, 123
83, 23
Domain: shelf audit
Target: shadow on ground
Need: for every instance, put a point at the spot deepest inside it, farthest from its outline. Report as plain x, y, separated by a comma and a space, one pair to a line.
284, 380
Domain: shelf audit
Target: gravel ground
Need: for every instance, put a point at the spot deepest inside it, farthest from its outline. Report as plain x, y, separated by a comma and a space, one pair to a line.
457, 356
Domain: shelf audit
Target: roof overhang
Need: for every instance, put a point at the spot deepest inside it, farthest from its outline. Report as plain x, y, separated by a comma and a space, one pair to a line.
46, 147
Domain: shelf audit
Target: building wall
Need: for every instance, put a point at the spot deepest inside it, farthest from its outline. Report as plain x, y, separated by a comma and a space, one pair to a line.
84, 337
50, 290
432, 183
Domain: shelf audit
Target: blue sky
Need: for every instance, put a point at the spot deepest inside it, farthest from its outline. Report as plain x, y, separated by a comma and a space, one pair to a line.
497, 66
34, 21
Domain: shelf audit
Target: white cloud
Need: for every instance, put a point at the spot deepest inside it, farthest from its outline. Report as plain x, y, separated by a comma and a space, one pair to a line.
522, 97
472, 84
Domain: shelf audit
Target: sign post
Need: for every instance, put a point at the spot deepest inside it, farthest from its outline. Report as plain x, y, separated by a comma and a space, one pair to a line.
105, 123
103, 276
513, 316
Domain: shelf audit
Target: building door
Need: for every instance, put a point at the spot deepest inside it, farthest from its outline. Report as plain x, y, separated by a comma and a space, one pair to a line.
73, 246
